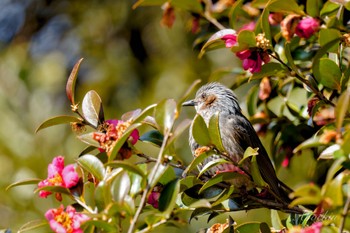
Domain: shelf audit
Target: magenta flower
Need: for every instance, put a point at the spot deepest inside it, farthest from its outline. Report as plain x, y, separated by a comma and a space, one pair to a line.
153, 199
230, 40
307, 27
59, 175
65, 221
248, 26
253, 59
120, 127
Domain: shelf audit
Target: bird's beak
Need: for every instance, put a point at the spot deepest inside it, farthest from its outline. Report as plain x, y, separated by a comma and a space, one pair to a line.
189, 103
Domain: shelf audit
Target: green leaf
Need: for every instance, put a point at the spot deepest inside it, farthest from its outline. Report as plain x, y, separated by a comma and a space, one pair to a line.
92, 108
215, 40
252, 100
270, 69
221, 177
249, 152
328, 74
214, 132
256, 173
130, 116
329, 8
70, 86
188, 5
342, 109
200, 203
275, 220
103, 225
165, 115
306, 194
152, 136
57, 120
249, 227
102, 195
263, 24
264, 228
126, 166
93, 165
333, 190
88, 139
328, 35
158, 173
234, 12
121, 187
33, 225
197, 160
283, 6
144, 113
224, 196
167, 199
245, 39
23, 182
309, 143
313, 7
200, 131
199, 212
211, 164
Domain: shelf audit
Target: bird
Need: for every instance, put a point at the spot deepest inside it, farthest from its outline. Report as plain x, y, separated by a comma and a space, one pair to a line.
237, 134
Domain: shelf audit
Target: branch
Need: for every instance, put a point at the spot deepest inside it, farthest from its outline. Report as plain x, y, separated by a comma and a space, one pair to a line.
276, 205
150, 181
149, 159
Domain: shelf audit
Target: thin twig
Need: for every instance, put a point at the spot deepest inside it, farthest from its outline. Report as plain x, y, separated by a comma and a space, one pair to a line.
150, 181
276, 205
149, 159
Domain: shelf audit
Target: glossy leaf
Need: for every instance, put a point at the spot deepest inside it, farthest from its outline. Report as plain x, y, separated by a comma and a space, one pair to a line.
88, 139
70, 86
328, 35
120, 142
200, 131
252, 100
263, 25
342, 109
249, 152
121, 187
288, 54
235, 11
156, 174
152, 136
221, 177
107, 227
197, 160
168, 196
165, 115
249, 227
215, 40
102, 195
328, 74
141, 117
306, 194
199, 212
245, 39
130, 116
200, 203
93, 165
308, 143
270, 69
334, 190
23, 182
224, 196
126, 166
214, 132
92, 108
211, 164
276, 220
255, 171
57, 121
287, 7
313, 7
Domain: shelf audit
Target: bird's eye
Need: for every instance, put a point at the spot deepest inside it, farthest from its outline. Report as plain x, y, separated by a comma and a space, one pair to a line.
203, 95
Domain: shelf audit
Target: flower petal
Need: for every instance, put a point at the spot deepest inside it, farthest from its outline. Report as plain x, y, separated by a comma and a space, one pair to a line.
70, 176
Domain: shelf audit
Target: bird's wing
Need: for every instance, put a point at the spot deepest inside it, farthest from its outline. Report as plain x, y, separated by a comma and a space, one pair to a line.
245, 136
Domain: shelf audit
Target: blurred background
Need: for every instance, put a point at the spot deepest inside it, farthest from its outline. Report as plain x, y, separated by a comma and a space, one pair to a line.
130, 59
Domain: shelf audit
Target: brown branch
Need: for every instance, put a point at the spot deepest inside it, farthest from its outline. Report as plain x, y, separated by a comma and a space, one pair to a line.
276, 205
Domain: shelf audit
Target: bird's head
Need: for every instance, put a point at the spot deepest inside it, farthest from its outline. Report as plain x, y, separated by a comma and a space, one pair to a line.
214, 97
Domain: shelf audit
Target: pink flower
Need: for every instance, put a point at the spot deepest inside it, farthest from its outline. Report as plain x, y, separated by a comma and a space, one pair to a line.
307, 27
65, 221
59, 175
248, 26
153, 198
253, 59
230, 40
314, 228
